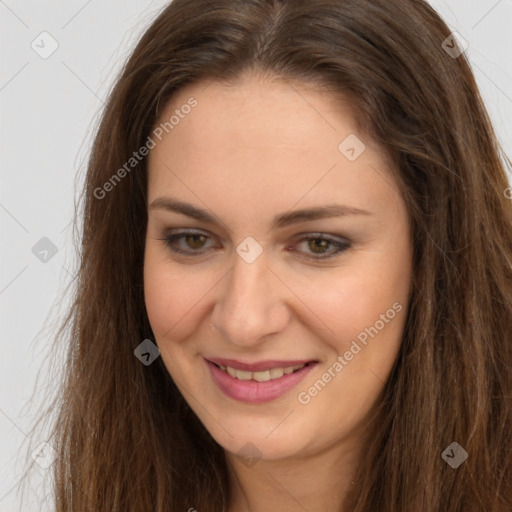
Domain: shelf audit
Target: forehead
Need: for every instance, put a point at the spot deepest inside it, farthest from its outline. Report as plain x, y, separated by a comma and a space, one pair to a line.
257, 113
263, 141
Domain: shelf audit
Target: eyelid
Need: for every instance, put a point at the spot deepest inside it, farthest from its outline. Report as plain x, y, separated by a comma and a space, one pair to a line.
298, 236
340, 243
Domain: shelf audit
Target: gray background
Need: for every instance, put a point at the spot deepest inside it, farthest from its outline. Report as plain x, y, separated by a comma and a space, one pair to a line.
49, 108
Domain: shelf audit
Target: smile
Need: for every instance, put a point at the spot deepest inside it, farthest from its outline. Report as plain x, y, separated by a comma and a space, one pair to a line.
262, 376
264, 383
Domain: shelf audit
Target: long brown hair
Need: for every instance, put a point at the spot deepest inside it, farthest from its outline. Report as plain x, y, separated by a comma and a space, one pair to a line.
125, 438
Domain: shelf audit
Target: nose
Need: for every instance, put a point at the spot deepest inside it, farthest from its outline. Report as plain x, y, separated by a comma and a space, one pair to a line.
251, 304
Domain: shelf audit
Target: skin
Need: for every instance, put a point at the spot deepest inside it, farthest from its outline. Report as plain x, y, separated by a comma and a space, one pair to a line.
246, 153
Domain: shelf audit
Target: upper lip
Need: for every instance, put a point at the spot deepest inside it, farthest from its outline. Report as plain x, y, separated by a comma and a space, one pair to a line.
259, 365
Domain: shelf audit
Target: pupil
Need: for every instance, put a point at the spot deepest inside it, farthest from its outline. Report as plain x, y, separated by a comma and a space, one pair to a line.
322, 244
195, 239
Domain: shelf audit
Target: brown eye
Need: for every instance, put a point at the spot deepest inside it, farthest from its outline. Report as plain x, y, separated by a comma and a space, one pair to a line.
188, 243
323, 247
318, 245
195, 241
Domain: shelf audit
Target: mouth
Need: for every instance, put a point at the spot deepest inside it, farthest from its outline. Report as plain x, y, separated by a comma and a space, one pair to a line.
263, 375
257, 382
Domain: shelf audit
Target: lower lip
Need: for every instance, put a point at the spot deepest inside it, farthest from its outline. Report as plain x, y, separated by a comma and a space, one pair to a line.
256, 392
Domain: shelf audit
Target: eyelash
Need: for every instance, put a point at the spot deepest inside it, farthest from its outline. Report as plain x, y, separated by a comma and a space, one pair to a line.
340, 246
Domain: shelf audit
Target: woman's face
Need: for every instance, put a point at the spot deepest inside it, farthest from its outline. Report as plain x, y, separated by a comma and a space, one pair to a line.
275, 239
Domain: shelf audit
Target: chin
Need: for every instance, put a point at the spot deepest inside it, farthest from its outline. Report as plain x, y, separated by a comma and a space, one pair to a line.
256, 440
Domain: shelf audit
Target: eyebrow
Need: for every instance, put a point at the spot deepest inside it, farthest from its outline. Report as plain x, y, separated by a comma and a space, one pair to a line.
281, 220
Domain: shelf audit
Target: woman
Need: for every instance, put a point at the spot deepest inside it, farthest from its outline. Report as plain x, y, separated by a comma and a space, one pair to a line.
294, 290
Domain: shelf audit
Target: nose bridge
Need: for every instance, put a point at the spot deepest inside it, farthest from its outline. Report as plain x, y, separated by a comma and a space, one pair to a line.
250, 306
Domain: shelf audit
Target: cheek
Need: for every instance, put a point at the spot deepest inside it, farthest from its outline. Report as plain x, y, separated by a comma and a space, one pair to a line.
173, 296
346, 303
360, 313
365, 315
163, 305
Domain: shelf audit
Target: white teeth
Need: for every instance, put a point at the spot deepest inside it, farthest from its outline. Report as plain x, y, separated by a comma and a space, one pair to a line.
243, 375
275, 373
261, 376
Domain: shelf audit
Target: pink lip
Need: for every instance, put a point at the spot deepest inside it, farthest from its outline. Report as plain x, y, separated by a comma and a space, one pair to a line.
255, 392
259, 366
